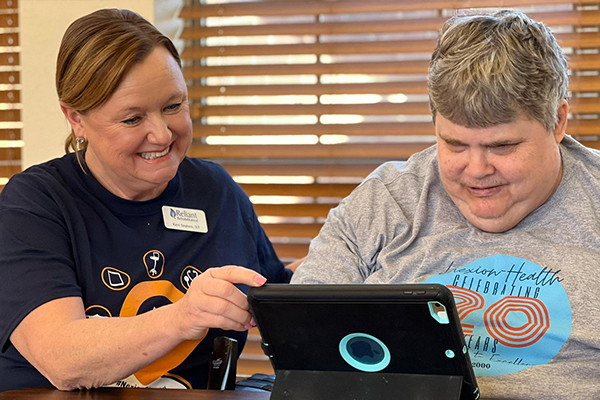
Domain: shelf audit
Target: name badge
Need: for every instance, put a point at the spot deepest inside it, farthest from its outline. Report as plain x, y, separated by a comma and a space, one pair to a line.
184, 219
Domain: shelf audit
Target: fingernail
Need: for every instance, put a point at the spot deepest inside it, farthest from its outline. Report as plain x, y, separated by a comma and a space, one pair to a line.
248, 327
252, 322
260, 279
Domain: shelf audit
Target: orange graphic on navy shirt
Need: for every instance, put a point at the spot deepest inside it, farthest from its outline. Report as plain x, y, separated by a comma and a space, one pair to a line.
115, 279
188, 274
154, 261
136, 297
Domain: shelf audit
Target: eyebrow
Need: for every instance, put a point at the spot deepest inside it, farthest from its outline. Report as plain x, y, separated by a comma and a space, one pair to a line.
495, 143
137, 109
450, 141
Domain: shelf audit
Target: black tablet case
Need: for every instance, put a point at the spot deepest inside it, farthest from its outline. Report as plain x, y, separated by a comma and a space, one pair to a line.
302, 325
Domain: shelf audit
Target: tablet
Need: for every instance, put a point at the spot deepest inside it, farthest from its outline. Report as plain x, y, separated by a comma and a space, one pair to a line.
364, 330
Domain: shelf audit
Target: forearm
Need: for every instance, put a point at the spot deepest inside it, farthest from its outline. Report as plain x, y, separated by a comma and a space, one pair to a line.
75, 352
87, 353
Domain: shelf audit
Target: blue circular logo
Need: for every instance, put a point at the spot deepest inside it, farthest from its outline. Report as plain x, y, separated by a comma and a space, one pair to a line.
515, 314
364, 352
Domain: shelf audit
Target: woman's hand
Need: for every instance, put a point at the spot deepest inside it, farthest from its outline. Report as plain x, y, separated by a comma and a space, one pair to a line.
213, 301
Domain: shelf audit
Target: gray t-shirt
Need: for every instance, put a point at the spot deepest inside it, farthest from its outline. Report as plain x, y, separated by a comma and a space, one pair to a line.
527, 298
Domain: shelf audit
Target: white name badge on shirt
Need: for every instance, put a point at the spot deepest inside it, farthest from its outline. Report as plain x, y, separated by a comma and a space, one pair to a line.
184, 219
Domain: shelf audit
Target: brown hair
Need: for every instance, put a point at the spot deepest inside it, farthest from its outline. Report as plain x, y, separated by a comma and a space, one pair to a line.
487, 69
96, 52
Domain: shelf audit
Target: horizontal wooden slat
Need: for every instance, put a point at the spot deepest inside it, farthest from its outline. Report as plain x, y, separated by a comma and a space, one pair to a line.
9, 4
10, 153
418, 108
578, 62
312, 190
577, 83
292, 230
9, 39
9, 59
585, 105
349, 6
10, 78
323, 28
291, 250
374, 47
387, 151
368, 150
6, 171
401, 128
579, 40
317, 89
594, 144
10, 115
584, 83
9, 21
10, 134
584, 127
578, 105
10, 96
293, 210
355, 169
576, 127
388, 68
584, 61
578, 18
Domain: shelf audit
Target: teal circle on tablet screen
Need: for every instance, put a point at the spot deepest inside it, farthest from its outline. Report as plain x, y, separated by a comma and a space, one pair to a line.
364, 352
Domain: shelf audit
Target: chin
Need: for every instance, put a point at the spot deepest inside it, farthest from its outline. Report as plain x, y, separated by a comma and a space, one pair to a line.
493, 225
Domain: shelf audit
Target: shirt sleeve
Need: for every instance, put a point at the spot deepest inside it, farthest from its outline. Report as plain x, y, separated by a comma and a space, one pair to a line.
36, 263
347, 248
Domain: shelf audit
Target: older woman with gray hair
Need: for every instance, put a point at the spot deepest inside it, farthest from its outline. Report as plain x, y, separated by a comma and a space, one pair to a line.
503, 210
121, 262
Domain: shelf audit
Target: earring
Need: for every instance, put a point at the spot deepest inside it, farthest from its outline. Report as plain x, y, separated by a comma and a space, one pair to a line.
80, 141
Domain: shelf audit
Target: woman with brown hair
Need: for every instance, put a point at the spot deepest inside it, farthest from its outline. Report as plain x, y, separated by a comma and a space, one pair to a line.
110, 263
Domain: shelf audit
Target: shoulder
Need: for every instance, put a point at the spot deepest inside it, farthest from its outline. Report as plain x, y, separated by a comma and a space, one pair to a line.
209, 177
196, 167
46, 177
395, 184
411, 175
578, 159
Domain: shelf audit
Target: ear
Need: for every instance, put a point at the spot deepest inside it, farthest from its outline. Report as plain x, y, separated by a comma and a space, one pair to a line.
74, 119
562, 115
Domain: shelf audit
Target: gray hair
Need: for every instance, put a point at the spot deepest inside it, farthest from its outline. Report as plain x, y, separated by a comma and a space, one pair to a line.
486, 70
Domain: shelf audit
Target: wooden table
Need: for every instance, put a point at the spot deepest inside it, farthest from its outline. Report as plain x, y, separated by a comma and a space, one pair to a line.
132, 394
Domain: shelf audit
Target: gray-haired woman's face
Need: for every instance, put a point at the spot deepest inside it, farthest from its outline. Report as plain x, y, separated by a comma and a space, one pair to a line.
138, 138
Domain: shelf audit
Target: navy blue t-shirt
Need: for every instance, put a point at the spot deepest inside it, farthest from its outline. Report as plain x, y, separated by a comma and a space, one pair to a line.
63, 234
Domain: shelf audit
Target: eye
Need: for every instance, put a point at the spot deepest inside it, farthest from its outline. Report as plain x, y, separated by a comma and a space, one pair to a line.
504, 149
455, 147
132, 121
173, 107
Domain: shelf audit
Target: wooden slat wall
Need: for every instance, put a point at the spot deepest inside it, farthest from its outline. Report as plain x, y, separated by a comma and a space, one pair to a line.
301, 99
10, 108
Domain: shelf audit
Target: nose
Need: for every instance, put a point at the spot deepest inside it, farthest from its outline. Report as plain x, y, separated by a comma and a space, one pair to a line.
159, 132
478, 165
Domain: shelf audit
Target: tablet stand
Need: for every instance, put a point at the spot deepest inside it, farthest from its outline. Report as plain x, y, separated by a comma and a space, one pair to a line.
327, 385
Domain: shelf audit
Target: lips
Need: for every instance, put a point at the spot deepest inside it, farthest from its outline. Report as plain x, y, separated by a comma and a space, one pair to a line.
155, 155
486, 191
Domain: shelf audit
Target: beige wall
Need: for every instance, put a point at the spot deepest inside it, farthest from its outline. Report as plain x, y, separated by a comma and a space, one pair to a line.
42, 24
